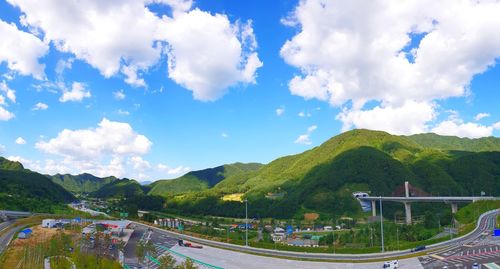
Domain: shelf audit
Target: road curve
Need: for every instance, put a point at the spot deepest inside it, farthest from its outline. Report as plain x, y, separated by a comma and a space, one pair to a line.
9, 230
484, 223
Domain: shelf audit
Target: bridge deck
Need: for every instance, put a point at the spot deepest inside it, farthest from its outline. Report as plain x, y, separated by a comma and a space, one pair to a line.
431, 199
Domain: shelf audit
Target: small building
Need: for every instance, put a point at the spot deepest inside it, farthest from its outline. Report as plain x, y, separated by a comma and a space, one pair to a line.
141, 213
48, 223
25, 234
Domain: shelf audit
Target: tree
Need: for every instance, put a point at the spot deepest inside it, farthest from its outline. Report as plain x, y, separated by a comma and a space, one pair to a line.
140, 251
187, 264
167, 261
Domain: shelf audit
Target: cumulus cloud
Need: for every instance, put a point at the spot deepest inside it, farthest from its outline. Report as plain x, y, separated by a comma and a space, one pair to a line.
40, 106
455, 126
280, 111
410, 118
76, 94
350, 53
20, 141
10, 94
173, 171
303, 114
103, 150
480, 116
305, 139
22, 51
207, 53
119, 95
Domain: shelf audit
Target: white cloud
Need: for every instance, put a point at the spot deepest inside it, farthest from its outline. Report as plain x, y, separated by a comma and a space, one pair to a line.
103, 150
119, 95
5, 115
224, 135
463, 129
76, 94
20, 141
302, 114
352, 52
2, 149
40, 106
305, 139
123, 112
480, 116
280, 111
139, 164
10, 93
175, 171
410, 118
207, 54
21, 50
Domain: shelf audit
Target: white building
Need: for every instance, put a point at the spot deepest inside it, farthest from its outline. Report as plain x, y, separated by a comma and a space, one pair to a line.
48, 223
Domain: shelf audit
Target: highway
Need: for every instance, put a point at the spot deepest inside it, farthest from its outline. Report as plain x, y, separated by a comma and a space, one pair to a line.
484, 223
7, 230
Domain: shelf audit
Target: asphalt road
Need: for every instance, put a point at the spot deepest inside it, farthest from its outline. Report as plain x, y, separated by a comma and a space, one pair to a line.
6, 237
480, 247
484, 224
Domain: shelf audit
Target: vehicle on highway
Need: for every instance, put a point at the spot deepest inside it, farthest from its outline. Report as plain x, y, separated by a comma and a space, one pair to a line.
445, 267
419, 248
476, 266
391, 264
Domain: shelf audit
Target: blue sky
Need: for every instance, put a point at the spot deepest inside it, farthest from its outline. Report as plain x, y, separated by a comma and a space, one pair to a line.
177, 85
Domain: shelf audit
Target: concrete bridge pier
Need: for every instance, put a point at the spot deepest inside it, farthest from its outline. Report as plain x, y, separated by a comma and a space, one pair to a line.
374, 208
454, 208
408, 212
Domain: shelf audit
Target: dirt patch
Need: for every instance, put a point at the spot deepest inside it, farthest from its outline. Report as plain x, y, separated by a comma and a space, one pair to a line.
311, 216
16, 253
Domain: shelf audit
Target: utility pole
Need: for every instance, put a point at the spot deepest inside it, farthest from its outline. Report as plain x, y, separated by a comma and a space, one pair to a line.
397, 235
381, 223
246, 222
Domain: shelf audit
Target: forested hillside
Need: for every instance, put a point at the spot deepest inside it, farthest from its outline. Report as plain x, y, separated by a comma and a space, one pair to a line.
22, 189
322, 179
83, 183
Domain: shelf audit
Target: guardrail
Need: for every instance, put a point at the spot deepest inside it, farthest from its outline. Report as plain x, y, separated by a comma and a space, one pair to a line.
317, 256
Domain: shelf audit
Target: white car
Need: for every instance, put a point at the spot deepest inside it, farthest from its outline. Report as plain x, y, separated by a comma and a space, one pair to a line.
476, 266
391, 264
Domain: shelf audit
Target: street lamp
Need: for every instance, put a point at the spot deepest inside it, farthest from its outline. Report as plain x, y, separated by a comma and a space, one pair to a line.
381, 223
246, 222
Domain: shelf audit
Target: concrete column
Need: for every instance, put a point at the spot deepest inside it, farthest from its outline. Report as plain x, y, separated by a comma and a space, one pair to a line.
407, 189
408, 212
454, 208
374, 208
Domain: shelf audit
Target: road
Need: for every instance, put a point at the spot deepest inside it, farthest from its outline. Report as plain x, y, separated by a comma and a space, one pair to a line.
479, 247
484, 224
8, 233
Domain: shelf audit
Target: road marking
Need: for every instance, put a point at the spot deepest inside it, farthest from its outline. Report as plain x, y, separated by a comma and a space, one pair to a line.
492, 265
437, 257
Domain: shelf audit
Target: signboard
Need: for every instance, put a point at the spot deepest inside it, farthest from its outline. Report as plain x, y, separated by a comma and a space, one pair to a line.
123, 214
180, 227
496, 232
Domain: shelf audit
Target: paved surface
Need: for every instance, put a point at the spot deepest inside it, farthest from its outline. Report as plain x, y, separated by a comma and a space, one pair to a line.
6, 237
129, 252
229, 259
481, 248
485, 223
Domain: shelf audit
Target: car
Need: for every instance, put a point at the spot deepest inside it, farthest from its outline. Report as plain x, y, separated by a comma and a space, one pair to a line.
391, 264
445, 267
476, 266
419, 248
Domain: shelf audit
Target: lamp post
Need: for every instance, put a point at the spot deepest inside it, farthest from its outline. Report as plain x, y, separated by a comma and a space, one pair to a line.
381, 223
246, 222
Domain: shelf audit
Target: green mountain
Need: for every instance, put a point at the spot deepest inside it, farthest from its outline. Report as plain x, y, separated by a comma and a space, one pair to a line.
195, 181
121, 188
22, 189
322, 179
83, 183
456, 143
10, 165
